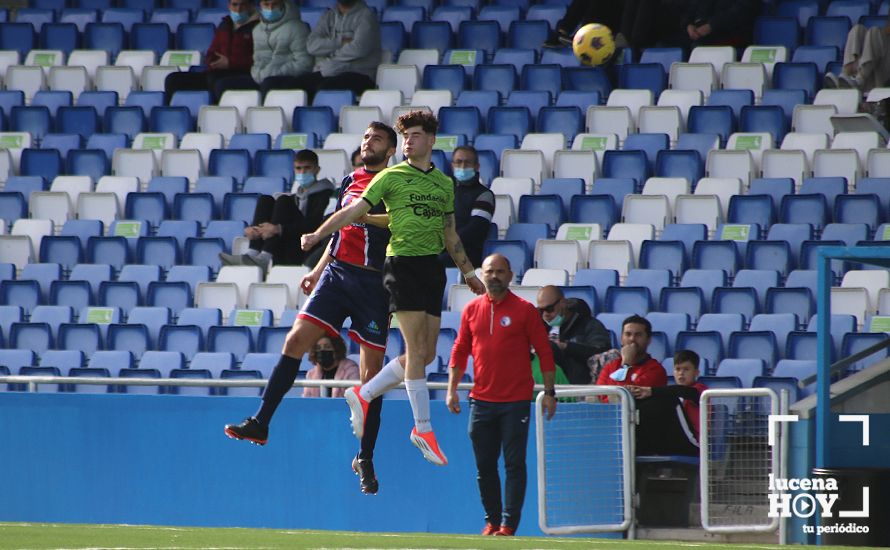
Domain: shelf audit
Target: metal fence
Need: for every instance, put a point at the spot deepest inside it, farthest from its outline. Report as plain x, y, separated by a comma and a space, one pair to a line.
585, 462
736, 459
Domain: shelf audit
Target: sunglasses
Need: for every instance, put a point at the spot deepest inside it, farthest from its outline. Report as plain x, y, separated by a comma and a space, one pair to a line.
550, 308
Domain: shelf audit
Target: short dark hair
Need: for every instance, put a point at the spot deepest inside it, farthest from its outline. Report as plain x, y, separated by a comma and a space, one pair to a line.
469, 149
687, 356
424, 119
356, 153
386, 129
339, 348
638, 320
306, 155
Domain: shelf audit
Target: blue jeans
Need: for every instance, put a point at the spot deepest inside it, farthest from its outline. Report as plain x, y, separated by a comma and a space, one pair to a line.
493, 427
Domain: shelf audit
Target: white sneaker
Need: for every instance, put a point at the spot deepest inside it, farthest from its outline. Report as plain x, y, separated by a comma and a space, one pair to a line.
849, 82
358, 408
831, 81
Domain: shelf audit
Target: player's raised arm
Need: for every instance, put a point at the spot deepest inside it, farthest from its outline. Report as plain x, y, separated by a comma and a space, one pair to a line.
337, 221
456, 249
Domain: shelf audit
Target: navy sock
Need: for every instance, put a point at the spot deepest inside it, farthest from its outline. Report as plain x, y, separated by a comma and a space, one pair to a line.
280, 383
372, 426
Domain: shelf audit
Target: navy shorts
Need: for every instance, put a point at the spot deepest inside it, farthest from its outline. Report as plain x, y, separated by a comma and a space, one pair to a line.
345, 291
414, 283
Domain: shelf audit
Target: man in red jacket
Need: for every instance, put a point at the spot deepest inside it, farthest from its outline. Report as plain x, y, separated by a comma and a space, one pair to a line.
229, 55
499, 329
635, 367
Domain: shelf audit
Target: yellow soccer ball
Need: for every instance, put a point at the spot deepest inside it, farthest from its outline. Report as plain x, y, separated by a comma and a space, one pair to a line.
593, 44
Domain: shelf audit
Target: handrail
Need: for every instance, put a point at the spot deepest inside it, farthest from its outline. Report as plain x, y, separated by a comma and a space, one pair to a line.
837, 366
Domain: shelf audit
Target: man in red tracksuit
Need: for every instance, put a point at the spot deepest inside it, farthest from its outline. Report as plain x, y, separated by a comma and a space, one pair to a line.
635, 367
499, 329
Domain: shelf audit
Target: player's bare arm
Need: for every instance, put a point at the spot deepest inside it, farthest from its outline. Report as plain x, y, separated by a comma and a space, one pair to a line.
549, 402
456, 249
309, 280
377, 220
452, 401
336, 222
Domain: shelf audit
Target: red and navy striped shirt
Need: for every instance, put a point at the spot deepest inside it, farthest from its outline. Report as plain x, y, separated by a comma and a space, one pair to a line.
359, 243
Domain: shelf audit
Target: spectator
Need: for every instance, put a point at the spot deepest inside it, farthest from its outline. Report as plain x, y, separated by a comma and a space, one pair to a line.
721, 22
574, 334
279, 221
279, 49
473, 204
635, 367
498, 330
230, 53
329, 362
346, 46
356, 159
646, 23
866, 59
582, 12
669, 415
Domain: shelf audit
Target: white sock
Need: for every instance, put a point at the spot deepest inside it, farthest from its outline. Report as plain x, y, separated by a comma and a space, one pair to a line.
391, 375
251, 252
419, 396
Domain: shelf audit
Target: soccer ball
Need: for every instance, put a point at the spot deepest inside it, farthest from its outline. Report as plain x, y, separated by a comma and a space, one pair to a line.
593, 44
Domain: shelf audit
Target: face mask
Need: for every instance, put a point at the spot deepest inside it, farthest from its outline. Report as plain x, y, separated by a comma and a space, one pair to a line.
619, 375
464, 174
271, 16
238, 17
304, 179
325, 358
556, 321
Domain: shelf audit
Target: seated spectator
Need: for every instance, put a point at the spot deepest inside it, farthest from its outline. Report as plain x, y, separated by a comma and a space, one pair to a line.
329, 362
279, 221
669, 415
575, 335
473, 204
721, 22
356, 159
866, 59
582, 12
279, 50
346, 46
230, 53
635, 367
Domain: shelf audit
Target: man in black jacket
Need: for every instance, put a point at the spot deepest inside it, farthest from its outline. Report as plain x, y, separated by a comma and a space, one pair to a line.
473, 204
279, 221
575, 334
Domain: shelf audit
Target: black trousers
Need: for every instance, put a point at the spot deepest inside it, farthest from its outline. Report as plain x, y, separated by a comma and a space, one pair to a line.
313, 82
663, 429
207, 80
495, 427
582, 12
283, 211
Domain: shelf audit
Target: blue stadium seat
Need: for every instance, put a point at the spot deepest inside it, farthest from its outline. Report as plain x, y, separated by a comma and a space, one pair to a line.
108, 250
544, 78
148, 206
527, 33
598, 279
201, 251
581, 100
631, 164
495, 143
860, 208
628, 300
8, 100
735, 300
566, 188
568, 121
145, 100
35, 16
194, 207
110, 37
453, 15
274, 163
53, 316
123, 294
811, 209
407, 15
786, 99
828, 31
680, 164
172, 16
162, 251
191, 99
758, 279
18, 36
32, 336
781, 31
126, 120
271, 339
797, 76
734, 99
80, 17
44, 273
251, 142
820, 55
445, 77
670, 255
689, 301
77, 294
239, 206
799, 370
112, 360
745, 369
65, 250
60, 36
465, 121
712, 119
124, 15
534, 101
392, 37
194, 36
318, 121
776, 188
529, 233
217, 187
770, 255
651, 144
516, 251
41, 371
186, 339
13, 206
82, 337
155, 37
176, 120
202, 317
64, 143
849, 233
858, 341
46, 163
764, 118
233, 163
23, 293
599, 209
479, 35
235, 340
586, 79
542, 209
723, 323
643, 76
701, 142
35, 120
751, 209
52, 100
753, 344
500, 78
432, 35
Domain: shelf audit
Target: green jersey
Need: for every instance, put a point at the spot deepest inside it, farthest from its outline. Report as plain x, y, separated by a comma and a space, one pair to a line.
417, 203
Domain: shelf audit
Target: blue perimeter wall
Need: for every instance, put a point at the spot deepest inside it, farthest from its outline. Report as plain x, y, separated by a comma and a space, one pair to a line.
164, 460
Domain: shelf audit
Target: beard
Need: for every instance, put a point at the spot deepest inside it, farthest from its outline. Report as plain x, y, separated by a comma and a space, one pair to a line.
372, 158
495, 286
